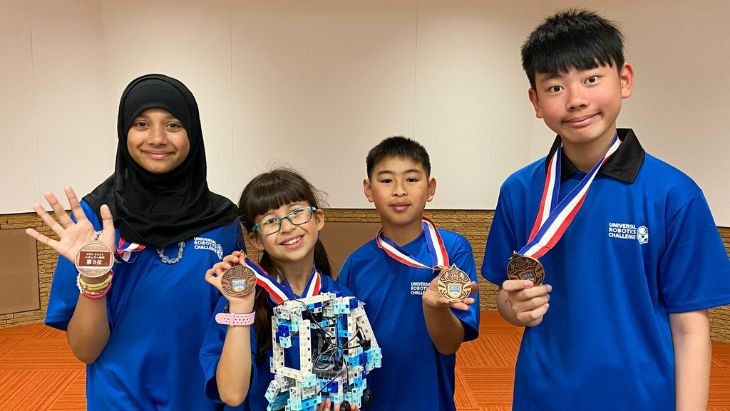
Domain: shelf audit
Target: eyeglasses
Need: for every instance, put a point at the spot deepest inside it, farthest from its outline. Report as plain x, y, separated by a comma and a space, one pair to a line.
297, 216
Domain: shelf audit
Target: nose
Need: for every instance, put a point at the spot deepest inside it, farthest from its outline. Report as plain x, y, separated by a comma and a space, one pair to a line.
577, 98
286, 225
158, 135
399, 189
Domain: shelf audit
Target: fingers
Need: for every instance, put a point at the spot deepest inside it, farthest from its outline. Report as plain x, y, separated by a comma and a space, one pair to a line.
517, 285
49, 221
107, 224
73, 201
210, 277
63, 219
42, 238
534, 317
324, 405
464, 304
233, 258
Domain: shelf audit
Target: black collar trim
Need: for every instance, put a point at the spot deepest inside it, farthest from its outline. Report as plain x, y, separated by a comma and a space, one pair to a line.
623, 165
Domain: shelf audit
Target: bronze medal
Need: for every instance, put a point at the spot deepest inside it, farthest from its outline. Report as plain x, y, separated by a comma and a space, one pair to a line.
521, 267
94, 259
454, 284
239, 281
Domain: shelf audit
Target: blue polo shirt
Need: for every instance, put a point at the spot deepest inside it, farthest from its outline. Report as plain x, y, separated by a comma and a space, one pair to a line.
414, 375
158, 314
261, 376
644, 245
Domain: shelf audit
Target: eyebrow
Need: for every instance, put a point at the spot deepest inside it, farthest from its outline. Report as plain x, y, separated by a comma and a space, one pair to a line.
550, 76
412, 170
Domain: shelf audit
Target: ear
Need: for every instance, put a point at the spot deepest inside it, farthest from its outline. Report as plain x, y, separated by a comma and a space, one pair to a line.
532, 95
319, 217
431, 189
255, 240
627, 80
368, 189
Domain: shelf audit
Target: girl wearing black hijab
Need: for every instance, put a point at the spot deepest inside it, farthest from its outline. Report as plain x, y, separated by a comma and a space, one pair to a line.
139, 326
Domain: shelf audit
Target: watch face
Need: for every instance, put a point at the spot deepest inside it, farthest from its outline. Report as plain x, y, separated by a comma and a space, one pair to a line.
521, 267
94, 259
454, 284
239, 281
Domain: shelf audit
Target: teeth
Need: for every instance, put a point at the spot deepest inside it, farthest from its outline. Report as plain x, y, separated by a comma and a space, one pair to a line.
292, 241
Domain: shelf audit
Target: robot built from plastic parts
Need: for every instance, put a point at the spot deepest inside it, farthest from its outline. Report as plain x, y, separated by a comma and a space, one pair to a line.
337, 349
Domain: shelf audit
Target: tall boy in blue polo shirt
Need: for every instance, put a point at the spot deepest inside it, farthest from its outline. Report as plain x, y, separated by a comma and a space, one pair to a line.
417, 329
640, 260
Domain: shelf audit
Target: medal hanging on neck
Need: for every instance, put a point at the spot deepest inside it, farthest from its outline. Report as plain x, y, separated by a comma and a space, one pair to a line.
127, 251
453, 283
553, 218
278, 293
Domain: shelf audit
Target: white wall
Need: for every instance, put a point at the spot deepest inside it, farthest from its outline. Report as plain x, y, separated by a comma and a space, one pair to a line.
315, 84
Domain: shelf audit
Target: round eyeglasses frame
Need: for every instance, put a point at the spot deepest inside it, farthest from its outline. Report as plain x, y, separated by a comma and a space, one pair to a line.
289, 217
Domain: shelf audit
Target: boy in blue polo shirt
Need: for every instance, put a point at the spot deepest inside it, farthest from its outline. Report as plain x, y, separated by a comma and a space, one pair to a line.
418, 330
639, 262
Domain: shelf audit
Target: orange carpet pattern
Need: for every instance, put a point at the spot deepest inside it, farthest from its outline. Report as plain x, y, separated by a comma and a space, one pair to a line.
38, 371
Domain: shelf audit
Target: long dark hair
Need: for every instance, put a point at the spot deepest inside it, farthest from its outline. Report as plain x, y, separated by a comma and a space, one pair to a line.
269, 191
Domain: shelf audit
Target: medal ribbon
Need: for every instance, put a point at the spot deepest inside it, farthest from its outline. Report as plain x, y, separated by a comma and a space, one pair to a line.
126, 250
283, 292
553, 218
433, 241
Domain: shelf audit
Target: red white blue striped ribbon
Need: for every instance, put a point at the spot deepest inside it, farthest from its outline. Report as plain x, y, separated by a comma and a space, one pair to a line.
126, 250
283, 292
433, 241
553, 219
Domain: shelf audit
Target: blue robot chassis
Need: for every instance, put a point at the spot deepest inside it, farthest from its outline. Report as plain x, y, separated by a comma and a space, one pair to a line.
337, 349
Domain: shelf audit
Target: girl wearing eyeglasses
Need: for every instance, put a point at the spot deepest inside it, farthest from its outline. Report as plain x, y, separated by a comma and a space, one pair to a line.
280, 211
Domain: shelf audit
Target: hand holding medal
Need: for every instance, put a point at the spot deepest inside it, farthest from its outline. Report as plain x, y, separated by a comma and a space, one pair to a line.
234, 280
451, 288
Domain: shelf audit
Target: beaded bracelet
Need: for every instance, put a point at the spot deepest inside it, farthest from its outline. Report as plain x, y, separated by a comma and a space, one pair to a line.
94, 291
97, 296
95, 287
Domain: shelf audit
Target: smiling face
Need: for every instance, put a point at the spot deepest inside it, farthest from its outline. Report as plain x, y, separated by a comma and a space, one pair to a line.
399, 188
292, 243
582, 105
157, 141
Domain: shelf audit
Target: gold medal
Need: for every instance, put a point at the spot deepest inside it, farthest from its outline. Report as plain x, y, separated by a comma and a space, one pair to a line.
521, 267
239, 281
454, 284
94, 259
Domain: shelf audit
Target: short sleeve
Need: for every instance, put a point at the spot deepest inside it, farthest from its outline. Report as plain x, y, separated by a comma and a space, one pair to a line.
694, 270
64, 293
211, 349
501, 242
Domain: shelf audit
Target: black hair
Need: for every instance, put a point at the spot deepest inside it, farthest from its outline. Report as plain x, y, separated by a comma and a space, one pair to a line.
269, 191
573, 38
401, 147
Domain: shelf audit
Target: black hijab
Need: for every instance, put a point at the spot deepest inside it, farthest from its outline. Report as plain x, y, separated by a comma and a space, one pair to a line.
161, 209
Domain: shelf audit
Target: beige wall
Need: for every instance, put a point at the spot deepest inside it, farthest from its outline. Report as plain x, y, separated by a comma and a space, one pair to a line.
315, 84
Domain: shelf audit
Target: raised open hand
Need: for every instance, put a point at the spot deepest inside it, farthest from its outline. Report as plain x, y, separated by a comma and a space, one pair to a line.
72, 235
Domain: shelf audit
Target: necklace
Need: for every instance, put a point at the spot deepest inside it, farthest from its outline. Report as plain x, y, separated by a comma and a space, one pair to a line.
165, 259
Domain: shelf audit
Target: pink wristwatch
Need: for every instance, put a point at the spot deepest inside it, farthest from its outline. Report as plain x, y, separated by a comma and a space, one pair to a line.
235, 319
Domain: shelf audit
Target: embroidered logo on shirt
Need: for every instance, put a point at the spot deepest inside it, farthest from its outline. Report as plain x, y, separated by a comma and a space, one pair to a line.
419, 287
629, 232
202, 243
